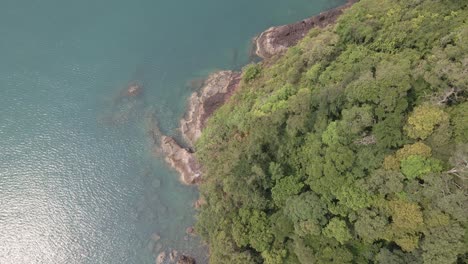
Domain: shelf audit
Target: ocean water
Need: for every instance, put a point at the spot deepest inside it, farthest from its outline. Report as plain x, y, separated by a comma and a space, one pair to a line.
79, 180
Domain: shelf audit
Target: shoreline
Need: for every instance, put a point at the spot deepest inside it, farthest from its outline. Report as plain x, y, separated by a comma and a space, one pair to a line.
219, 86
214, 92
276, 40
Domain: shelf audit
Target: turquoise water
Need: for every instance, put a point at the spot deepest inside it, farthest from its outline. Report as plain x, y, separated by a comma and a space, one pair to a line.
79, 182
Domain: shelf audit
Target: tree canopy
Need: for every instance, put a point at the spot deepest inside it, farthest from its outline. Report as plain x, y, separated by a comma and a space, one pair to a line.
349, 148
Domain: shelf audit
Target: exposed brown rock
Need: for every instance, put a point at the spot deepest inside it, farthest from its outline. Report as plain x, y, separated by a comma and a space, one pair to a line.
190, 230
217, 88
186, 260
198, 203
181, 160
277, 40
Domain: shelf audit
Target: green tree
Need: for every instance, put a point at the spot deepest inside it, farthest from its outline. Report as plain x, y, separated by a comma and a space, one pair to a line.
407, 222
321, 250
396, 256
251, 72
370, 225
348, 148
338, 230
443, 244
416, 166
417, 148
459, 121
356, 119
387, 183
423, 120
252, 228
307, 213
225, 251
286, 188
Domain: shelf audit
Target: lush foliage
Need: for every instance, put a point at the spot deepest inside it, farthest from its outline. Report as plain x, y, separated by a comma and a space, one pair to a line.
350, 148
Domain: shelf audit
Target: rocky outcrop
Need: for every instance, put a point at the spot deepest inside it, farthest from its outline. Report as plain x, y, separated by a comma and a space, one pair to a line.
181, 160
216, 89
190, 230
199, 203
277, 40
186, 260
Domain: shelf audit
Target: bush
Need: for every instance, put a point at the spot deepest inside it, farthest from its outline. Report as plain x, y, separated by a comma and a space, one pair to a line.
250, 72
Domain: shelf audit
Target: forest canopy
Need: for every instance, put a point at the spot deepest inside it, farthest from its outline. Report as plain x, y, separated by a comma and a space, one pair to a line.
350, 148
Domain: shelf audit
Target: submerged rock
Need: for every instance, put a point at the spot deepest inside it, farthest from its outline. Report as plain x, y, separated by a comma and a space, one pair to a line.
277, 40
186, 260
161, 258
155, 237
156, 183
133, 89
157, 247
196, 84
181, 160
216, 89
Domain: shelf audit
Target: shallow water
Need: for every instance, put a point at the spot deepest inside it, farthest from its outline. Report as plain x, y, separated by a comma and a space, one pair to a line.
78, 180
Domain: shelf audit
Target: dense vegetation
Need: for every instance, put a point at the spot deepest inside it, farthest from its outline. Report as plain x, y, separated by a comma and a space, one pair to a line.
350, 148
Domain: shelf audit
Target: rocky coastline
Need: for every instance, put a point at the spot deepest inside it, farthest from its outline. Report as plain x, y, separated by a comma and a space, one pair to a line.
219, 86
215, 91
277, 40
181, 159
